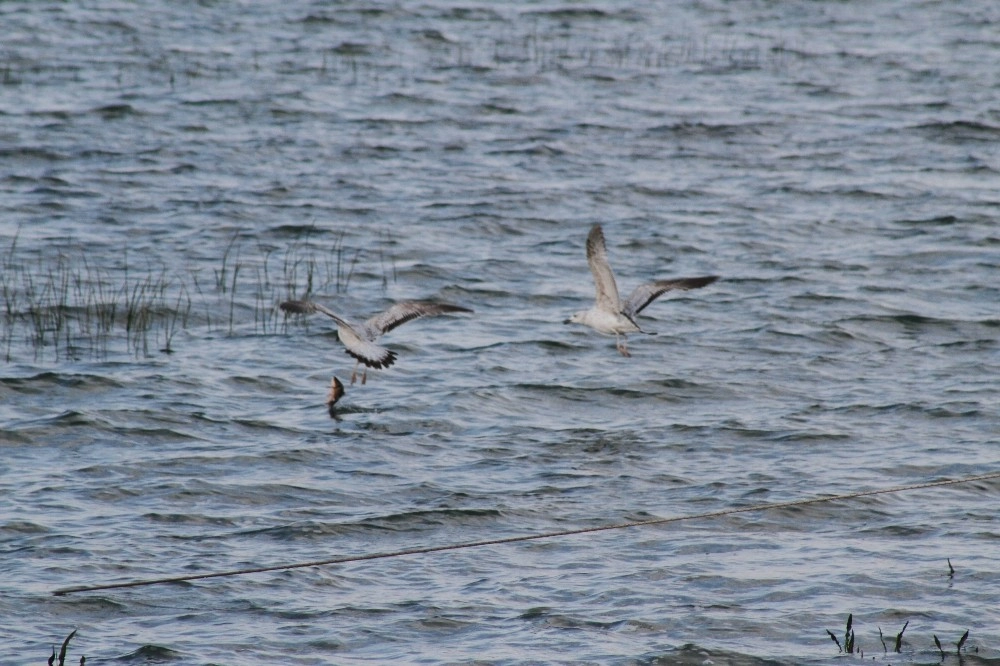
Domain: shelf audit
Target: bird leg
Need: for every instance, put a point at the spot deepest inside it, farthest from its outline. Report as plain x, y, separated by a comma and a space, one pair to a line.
620, 344
354, 372
364, 376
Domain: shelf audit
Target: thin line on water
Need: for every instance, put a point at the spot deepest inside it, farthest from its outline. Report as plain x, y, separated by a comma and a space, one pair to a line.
528, 537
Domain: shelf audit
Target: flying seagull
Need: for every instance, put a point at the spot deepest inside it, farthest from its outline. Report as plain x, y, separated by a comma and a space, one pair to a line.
612, 316
359, 338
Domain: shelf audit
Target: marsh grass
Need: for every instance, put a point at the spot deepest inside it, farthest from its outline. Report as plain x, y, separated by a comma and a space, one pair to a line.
65, 307
62, 652
850, 645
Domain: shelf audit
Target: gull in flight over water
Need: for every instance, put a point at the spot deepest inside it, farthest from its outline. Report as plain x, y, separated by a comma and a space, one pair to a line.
359, 338
612, 316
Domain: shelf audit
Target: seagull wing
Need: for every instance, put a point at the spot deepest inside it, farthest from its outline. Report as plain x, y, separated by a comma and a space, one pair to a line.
400, 313
308, 307
604, 280
645, 294
368, 352
358, 339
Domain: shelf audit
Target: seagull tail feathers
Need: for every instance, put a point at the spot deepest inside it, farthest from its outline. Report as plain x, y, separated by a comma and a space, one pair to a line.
385, 359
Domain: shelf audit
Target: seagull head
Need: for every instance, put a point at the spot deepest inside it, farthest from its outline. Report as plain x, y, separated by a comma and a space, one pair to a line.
576, 317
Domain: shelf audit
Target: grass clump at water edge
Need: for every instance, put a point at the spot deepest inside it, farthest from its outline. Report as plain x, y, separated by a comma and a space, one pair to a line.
65, 307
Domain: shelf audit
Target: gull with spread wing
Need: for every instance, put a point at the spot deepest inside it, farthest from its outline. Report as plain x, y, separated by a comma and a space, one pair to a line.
359, 338
612, 316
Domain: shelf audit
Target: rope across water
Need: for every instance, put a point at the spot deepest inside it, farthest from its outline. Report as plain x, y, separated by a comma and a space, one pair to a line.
529, 537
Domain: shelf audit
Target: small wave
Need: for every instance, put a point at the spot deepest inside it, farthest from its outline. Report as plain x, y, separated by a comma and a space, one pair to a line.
23, 527
501, 109
534, 149
30, 153
319, 19
405, 98
64, 193
435, 516
688, 130
570, 13
98, 605
43, 382
668, 192
960, 131
897, 531
352, 49
946, 410
908, 319
115, 111
692, 654
69, 419
8, 436
188, 519
937, 221
434, 35
397, 522
807, 436
150, 654
291, 230
213, 101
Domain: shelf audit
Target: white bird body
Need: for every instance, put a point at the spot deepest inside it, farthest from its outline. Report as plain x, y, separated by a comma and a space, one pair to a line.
609, 314
359, 338
606, 321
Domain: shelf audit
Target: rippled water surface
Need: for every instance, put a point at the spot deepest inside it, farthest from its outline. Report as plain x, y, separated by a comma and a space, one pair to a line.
172, 171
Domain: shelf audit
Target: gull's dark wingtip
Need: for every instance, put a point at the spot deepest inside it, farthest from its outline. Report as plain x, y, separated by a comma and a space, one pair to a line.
595, 238
297, 307
696, 283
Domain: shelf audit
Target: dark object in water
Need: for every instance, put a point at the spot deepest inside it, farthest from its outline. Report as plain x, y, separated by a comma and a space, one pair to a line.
899, 637
335, 394
62, 652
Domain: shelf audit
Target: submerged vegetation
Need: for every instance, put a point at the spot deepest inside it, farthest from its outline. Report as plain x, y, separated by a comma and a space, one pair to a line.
63, 306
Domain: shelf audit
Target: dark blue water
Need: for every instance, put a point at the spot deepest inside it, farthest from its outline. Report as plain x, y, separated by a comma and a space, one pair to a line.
172, 171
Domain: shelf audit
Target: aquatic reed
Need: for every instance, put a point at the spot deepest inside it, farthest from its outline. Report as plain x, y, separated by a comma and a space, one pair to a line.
899, 637
62, 652
64, 306
850, 646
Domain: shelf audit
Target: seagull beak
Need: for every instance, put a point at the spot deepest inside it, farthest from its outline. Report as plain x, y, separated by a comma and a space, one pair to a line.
568, 321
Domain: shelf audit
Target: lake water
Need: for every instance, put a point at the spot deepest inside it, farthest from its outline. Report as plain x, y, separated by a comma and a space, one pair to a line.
172, 171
